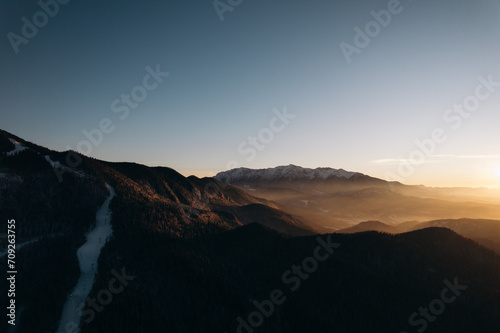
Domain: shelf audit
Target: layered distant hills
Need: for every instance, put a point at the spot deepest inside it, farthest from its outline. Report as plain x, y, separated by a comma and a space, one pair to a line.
204, 252
485, 232
332, 199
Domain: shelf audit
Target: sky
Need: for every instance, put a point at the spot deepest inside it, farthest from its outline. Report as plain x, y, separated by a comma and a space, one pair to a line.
400, 90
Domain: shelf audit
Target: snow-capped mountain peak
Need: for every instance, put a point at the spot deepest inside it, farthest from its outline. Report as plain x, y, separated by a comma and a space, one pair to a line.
283, 173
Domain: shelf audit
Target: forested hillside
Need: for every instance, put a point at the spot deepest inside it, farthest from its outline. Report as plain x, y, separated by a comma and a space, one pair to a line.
197, 255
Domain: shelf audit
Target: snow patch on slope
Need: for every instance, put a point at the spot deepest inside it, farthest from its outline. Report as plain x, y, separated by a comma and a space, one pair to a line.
20, 246
18, 147
58, 166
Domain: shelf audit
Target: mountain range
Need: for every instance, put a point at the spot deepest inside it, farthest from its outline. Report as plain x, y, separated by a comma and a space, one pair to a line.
283, 174
245, 251
333, 199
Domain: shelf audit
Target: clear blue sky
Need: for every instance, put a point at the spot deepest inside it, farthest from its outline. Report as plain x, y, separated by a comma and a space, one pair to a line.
226, 78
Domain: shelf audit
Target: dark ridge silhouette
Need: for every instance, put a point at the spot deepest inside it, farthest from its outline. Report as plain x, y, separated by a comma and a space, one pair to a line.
202, 259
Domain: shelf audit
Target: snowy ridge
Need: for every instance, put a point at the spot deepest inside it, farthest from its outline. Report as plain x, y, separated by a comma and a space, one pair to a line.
283, 173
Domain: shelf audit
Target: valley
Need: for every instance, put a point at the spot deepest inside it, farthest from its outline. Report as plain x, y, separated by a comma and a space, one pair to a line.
204, 254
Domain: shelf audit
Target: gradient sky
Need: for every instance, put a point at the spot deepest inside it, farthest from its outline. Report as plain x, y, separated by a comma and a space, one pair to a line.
226, 78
